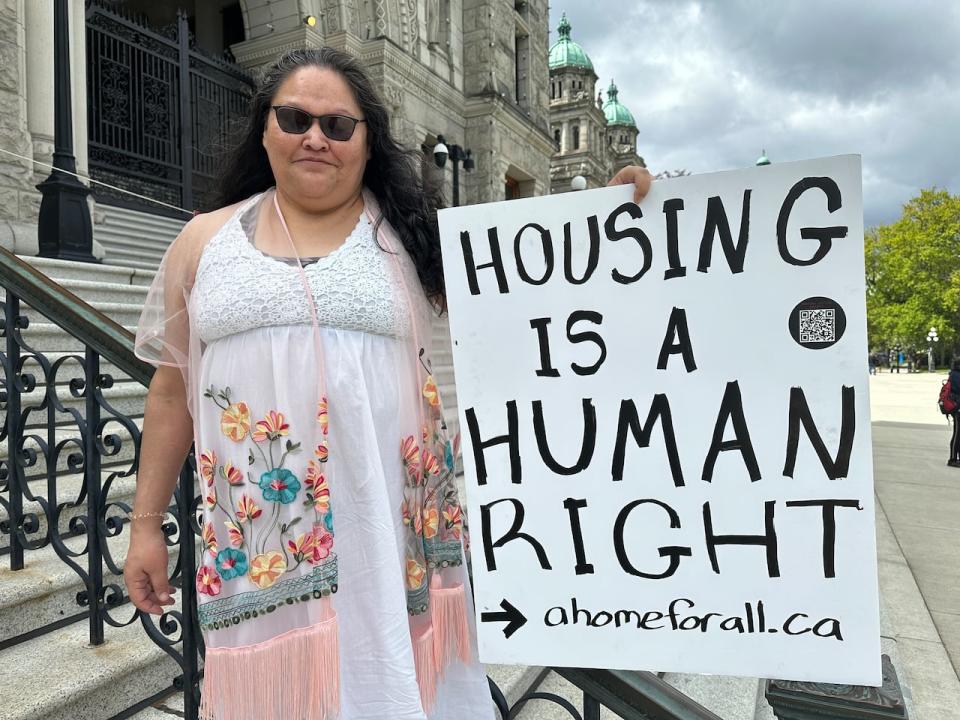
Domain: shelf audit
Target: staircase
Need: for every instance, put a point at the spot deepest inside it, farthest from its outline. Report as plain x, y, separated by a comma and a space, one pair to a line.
134, 239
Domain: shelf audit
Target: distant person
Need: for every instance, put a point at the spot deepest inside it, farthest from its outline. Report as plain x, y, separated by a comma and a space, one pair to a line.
954, 379
872, 364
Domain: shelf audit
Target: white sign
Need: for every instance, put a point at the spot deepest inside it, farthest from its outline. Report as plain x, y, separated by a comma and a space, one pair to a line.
666, 429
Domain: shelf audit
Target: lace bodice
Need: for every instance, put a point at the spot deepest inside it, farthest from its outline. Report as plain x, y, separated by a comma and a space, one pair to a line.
240, 288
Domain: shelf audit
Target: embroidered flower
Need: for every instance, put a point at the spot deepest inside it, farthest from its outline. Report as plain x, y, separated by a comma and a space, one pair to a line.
247, 509
231, 563
272, 427
303, 545
322, 452
279, 485
328, 520
232, 474
208, 466
431, 466
235, 421
410, 453
267, 568
425, 434
415, 574
234, 533
211, 498
418, 522
453, 516
449, 457
208, 582
322, 416
430, 392
322, 544
431, 523
316, 483
209, 538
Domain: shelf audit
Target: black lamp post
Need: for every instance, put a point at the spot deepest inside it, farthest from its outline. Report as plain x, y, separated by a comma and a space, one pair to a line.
441, 151
64, 228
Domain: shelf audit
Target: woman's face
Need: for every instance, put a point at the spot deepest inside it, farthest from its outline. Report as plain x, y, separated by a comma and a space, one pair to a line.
310, 166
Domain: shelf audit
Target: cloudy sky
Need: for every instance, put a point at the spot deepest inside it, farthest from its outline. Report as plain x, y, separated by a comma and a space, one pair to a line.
712, 83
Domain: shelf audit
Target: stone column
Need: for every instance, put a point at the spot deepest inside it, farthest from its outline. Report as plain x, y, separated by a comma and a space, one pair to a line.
15, 175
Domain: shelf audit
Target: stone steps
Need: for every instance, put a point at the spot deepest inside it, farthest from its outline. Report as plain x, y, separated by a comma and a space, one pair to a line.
134, 239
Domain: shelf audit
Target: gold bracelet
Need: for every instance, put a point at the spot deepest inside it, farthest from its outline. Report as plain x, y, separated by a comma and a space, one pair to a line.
136, 516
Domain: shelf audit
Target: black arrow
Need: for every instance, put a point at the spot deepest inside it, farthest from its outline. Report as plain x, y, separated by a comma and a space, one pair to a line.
515, 619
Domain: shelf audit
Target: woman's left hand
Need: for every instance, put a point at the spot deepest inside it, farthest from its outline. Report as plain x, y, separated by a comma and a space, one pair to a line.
634, 175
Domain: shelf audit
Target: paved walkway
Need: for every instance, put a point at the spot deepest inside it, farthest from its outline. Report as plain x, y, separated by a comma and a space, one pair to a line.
918, 531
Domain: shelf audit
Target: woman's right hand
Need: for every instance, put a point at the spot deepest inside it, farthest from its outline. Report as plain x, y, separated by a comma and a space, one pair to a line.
145, 571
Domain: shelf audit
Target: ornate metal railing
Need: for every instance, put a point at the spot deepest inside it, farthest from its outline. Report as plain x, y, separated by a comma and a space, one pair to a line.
158, 109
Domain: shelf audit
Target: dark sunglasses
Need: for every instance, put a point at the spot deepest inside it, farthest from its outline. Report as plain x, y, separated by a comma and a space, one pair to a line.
296, 121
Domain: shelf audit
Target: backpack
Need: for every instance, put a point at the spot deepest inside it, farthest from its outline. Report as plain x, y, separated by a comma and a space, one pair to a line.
949, 401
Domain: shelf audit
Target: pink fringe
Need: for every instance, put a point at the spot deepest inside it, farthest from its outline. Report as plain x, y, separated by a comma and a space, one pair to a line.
425, 660
293, 676
451, 633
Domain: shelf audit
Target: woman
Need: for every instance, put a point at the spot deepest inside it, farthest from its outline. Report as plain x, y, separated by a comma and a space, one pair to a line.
291, 331
954, 380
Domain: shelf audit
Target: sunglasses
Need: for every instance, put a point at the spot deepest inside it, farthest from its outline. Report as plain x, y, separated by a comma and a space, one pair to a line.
297, 122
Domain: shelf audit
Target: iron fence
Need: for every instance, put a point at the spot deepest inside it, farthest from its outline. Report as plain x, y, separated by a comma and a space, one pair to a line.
158, 109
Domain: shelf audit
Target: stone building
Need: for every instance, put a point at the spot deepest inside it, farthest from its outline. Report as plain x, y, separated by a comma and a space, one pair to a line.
474, 71
592, 138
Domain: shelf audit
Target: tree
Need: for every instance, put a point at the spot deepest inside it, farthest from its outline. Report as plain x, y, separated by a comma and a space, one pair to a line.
913, 275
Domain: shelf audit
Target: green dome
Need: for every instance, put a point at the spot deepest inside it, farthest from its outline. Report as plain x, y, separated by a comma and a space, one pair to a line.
565, 52
616, 113
763, 159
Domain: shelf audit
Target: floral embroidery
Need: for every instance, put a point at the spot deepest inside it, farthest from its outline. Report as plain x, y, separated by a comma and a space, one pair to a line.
272, 427
247, 509
267, 568
208, 582
211, 498
431, 522
318, 493
234, 533
322, 416
453, 517
231, 474
208, 464
322, 452
279, 486
234, 418
209, 538
264, 551
235, 421
322, 545
431, 466
415, 574
231, 563
430, 392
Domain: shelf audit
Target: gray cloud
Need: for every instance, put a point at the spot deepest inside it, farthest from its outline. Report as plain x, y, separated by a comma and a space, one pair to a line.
712, 83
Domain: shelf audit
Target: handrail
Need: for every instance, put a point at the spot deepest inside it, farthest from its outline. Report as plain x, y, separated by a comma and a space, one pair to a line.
66, 310
627, 693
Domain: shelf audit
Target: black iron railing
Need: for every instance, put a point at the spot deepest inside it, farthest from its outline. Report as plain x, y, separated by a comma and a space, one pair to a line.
158, 109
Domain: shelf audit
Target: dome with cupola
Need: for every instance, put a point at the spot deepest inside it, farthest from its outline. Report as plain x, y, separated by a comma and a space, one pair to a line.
616, 112
565, 52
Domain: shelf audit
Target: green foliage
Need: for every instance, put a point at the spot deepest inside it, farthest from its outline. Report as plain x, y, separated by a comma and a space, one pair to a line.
913, 275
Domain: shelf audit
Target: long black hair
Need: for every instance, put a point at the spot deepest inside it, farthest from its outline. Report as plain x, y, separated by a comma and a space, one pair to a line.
392, 172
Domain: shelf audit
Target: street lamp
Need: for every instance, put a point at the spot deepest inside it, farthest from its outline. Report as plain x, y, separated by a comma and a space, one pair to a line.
931, 339
457, 155
579, 182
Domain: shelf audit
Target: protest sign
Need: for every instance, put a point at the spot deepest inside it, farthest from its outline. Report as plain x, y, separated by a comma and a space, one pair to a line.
665, 425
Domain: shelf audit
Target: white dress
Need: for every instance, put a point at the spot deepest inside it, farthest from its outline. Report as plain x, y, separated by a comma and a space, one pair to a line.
255, 424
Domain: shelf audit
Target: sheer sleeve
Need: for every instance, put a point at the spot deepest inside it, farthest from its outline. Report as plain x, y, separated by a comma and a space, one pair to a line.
163, 332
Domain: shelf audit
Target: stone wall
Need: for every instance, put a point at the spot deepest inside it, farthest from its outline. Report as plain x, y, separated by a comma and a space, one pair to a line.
16, 176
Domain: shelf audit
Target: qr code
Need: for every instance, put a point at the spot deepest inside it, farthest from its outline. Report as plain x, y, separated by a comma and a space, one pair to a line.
818, 326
